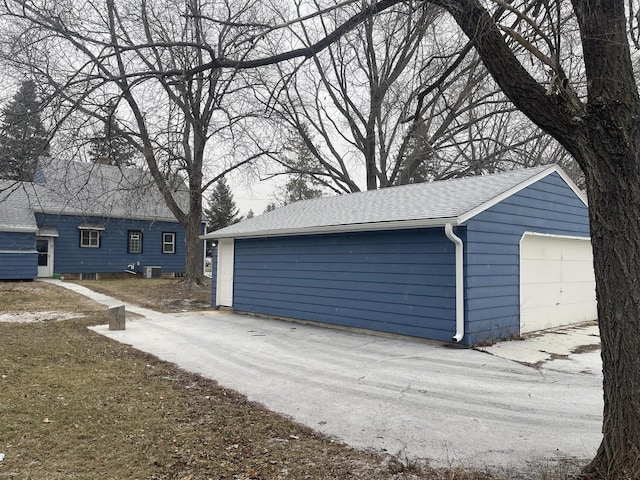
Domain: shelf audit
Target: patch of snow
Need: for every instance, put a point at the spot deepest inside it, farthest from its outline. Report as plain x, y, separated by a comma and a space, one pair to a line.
29, 317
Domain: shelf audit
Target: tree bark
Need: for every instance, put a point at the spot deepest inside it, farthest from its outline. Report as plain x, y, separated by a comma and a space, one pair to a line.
614, 199
612, 173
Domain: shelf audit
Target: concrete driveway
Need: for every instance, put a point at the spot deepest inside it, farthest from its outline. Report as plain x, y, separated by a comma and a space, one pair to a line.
450, 406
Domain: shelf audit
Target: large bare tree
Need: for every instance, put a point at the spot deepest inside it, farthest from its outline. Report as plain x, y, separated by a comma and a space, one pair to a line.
101, 56
393, 102
601, 131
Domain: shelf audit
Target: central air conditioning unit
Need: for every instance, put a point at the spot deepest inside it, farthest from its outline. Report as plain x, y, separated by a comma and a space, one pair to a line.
152, 272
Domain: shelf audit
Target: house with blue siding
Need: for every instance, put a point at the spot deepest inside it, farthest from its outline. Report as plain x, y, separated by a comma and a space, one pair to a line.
467, 260
88, 220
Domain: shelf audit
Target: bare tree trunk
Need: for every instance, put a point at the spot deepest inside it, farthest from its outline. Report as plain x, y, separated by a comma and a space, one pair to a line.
614, 197
613, 186
193, 248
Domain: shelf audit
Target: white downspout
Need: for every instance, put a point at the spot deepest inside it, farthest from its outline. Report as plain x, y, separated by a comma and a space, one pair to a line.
448, 230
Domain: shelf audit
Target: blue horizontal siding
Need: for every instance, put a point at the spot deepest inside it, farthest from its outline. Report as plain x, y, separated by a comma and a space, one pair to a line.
112, 255
18, 259
397, 282
492, 253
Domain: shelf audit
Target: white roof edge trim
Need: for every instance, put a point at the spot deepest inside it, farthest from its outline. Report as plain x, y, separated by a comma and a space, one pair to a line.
90, 227
19, 229
354, 227
552, 235
54, 234
581, 195
521, 186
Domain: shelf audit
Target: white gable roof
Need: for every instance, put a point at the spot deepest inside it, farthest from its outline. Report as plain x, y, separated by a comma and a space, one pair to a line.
408, 206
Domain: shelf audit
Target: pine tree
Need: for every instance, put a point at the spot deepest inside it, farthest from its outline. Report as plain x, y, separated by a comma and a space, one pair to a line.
23, 138
302, 184
250, 214
111, 147
270, 207
222, 210
300, 187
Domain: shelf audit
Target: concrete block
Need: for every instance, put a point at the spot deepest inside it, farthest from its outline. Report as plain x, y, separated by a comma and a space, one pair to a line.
117, 318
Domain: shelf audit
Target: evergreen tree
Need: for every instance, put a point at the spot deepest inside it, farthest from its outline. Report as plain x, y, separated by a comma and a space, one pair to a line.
270, 207
250, 214
111, 147
222, 210
23, 138
300, 187
302, 184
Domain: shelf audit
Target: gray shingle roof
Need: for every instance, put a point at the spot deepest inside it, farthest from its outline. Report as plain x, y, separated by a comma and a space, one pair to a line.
408, 206
90, 189
84, 189
15, 212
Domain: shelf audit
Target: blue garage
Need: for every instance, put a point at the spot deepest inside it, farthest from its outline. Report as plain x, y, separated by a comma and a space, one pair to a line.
467, 260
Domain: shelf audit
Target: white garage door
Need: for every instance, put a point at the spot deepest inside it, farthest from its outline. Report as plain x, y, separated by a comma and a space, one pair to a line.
557, 285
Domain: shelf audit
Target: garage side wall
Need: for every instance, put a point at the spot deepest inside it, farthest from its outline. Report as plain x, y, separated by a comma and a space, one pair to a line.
492, 255
398, 282
18, 257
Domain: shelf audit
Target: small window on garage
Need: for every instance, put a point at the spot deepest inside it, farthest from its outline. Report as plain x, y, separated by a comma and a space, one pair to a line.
168, 242
134, 241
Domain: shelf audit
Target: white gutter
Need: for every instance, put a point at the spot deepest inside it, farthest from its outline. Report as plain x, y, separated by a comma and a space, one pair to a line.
340, 228
448, 230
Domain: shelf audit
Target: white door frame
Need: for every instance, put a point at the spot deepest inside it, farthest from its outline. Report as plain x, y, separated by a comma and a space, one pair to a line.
45, 271
224, 274
581, 312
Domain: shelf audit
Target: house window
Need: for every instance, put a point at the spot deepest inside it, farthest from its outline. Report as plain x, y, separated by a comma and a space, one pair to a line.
168, 243
134, 242
90, 237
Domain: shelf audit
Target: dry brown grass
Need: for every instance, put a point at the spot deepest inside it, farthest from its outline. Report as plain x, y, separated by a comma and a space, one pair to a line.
76, 405
165, 294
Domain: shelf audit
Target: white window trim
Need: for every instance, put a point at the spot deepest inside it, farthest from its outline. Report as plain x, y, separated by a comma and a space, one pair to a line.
171, 244
89, 232
129, 250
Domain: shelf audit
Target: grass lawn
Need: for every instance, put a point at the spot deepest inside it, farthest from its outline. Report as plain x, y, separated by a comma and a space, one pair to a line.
164, 295
76, 405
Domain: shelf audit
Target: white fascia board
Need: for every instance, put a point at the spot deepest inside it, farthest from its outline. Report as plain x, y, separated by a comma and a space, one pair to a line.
521, 186
355, 227
19, 229
90, 227
552, 235
581, 195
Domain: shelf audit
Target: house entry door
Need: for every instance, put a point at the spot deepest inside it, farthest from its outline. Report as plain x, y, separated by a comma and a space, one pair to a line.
44, 246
